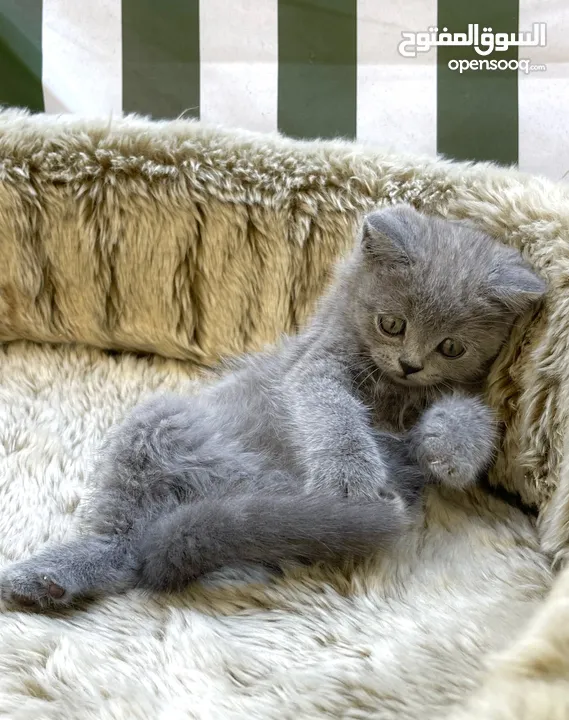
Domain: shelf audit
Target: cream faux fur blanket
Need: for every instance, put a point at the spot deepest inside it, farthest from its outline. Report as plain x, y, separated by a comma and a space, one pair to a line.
181, 244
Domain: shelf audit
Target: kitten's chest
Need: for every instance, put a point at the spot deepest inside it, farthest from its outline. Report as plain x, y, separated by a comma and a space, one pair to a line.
394, 411
395, 419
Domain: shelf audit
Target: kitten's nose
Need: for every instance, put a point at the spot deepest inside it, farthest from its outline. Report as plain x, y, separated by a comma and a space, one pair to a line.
408, 368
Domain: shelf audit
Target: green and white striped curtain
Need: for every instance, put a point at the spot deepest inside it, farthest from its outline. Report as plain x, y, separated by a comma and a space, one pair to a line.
309, 68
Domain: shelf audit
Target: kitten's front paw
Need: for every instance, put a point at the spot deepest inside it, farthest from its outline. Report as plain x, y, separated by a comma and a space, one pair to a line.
28, 585
455, 440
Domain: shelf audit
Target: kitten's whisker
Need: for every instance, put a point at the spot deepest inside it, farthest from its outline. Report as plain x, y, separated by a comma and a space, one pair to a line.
367, 378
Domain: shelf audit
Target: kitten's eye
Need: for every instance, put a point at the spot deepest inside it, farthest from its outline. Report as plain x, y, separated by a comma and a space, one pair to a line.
391, 325
451, 348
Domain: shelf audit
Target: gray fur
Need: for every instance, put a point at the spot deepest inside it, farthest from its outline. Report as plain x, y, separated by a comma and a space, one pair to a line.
318, 448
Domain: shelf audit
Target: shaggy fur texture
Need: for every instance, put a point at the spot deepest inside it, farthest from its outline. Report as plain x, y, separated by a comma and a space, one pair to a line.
193, 243
530, 680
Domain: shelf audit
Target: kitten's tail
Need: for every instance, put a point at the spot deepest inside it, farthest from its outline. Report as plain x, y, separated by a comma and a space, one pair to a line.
200, 537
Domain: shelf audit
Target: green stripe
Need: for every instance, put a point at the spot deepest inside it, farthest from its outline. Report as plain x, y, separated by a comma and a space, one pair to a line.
317, 68
161, 57
20, 54
477, 111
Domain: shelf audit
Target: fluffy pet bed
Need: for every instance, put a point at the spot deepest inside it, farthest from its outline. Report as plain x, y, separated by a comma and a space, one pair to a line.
133, 255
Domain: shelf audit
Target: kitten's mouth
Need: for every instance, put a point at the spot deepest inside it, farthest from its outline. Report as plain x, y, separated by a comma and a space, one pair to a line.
402, 379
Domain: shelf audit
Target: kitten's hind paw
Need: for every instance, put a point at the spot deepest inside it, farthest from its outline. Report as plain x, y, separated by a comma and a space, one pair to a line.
27, 585
60, 574
455, 440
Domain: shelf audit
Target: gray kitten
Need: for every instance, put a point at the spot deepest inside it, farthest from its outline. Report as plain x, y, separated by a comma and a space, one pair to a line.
318, 448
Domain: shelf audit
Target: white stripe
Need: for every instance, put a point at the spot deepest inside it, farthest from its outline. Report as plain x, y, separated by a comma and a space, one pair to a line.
82, 56
397, 96
544, 96
239, 63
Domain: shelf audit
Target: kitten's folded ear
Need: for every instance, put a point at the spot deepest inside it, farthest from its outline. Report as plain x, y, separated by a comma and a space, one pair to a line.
383, 237
515, 285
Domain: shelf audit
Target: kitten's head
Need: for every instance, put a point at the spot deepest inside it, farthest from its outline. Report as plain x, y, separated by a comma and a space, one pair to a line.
435, 299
